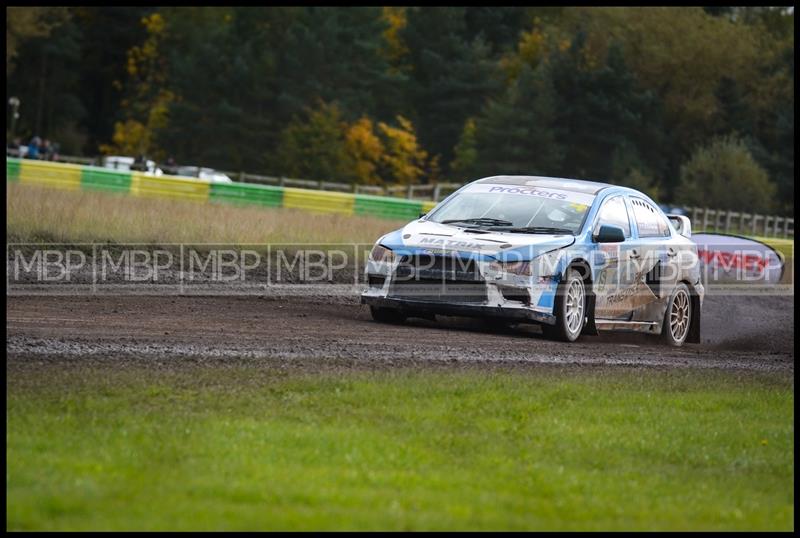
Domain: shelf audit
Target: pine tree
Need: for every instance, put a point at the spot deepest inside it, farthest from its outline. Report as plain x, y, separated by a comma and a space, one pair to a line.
518, 133
602, 108
466, 151
451, 77
222, 69
338, 54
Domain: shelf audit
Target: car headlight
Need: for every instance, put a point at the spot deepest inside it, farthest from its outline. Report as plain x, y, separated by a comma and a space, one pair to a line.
516, 268
381, 254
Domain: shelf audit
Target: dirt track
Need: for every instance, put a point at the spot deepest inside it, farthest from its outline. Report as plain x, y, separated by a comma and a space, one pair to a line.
755, 333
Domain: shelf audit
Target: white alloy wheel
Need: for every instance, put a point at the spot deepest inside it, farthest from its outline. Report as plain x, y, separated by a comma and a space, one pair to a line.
678, 316
570, 308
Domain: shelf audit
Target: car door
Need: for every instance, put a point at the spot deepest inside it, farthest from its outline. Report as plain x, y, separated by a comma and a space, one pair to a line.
612, 277
652, 269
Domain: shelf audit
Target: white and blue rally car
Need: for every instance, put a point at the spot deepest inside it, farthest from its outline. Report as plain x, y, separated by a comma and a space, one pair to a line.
575, 256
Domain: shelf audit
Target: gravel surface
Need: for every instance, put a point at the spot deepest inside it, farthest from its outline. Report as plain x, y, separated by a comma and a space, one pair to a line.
739, 332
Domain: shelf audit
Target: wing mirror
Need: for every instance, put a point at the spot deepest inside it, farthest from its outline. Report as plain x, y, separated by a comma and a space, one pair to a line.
609, 234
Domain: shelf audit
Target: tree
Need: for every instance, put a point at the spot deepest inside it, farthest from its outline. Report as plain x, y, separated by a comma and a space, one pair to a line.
602, 110
366, 151
103, 67
404, 160
733, 112
223, 71
498, 26
148, 97
466, 151
770, 98
45, 76
315, 146
338, 54
518, 133
680, 54
25, 23
451, 77
724, 175
394, 49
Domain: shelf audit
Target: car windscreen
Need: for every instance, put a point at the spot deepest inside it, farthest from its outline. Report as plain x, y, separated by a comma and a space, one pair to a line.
521, 206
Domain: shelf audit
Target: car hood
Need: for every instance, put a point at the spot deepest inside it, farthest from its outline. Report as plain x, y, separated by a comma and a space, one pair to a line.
425, 237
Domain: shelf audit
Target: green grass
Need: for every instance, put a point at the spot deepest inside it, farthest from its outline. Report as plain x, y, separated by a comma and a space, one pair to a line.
245, 447
784, 246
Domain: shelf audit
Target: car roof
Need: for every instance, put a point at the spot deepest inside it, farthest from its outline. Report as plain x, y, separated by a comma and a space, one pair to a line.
577, 185
195, 167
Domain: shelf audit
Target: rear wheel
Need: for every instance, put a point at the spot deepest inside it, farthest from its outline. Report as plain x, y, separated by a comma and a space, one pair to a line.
570, 309
387, 315
678, 316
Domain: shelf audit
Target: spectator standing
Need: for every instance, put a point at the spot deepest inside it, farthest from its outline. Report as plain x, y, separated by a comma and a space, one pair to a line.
139, 164
33, 148
45, 151
171, 167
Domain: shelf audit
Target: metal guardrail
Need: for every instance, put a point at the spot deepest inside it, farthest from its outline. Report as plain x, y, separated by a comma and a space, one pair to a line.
434, 191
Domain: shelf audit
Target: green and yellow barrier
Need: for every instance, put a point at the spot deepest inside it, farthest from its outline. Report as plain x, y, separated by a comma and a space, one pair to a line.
428, 206
246, 193
12, 169
379, 206
92, 178
319, 201
59, 175
169, 187
98, 179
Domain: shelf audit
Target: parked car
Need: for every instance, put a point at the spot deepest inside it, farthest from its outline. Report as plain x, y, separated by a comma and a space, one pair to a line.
204, 173
574, 256
18, 152
673, 210
126, 164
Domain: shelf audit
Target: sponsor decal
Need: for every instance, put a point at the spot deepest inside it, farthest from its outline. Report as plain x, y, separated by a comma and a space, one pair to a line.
450, 244
628, 298
579, 198
740, 259
533, 191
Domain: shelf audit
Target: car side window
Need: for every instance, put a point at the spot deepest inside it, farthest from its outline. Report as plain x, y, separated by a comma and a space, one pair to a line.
614, 212
648, 219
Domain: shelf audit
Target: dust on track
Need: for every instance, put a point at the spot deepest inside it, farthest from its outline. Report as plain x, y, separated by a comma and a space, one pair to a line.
739, 332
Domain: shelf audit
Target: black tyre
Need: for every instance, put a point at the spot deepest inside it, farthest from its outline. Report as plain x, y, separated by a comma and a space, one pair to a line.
677, 317
386, 315
570, 309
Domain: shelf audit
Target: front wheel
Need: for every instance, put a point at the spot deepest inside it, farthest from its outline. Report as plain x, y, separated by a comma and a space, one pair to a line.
386, 315
678, 316
570, 309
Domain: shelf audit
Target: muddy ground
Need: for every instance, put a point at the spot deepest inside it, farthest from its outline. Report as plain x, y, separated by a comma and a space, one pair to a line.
739, 332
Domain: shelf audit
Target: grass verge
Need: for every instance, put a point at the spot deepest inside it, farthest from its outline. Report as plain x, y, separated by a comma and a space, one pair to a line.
246, 447
37, 214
